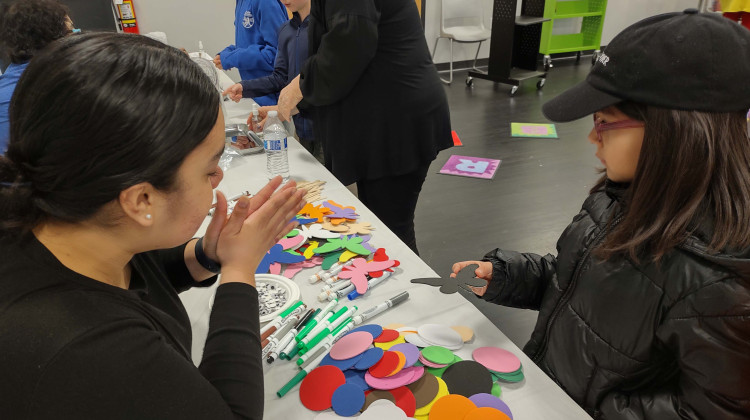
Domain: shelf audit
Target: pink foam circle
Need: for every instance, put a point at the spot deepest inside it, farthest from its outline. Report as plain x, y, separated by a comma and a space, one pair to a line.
429, 363
402, 378
351, 345
497, 359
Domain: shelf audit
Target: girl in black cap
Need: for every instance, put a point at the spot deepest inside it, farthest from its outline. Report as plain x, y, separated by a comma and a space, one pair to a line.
645, 311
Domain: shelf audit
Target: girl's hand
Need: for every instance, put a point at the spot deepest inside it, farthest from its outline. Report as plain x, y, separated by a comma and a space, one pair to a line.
484, 271
256, 224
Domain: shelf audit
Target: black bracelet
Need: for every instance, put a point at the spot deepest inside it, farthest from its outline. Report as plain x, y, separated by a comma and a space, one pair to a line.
203, 259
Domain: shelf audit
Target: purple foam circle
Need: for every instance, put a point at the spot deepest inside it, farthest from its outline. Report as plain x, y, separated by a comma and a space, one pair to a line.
489, 400
410, 351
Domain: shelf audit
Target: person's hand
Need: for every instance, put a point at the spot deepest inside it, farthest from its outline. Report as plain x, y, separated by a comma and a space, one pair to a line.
242, 143
290, 96
234, 92
217, 62
255, 225
484, 271
262, 114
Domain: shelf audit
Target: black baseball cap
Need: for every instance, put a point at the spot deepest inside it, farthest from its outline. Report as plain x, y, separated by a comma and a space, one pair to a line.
685, 60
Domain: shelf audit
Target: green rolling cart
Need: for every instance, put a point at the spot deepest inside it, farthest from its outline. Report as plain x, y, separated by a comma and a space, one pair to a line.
589, 38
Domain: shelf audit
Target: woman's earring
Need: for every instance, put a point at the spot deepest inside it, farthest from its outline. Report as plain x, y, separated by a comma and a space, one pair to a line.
148, 216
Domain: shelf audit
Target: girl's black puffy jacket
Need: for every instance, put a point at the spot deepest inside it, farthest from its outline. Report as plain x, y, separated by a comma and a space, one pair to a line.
633, 340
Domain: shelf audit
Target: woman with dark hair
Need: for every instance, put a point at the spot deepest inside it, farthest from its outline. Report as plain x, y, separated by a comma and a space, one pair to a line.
645, 311
111, 166
26, 26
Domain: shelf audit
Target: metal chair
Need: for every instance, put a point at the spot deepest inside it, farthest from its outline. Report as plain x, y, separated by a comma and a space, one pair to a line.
462, 21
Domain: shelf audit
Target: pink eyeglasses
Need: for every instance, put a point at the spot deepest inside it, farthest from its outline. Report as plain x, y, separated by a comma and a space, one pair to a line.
599, 126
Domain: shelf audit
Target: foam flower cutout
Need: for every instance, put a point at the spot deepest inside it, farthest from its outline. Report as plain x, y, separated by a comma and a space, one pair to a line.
293, 242
318, 231
380, 255
330, 259
277, 255
310, 250
351, 243
363, 228
304, 221
450, 285
339, 212
334, 227
359, 270
315, 212
295, 268
366, 243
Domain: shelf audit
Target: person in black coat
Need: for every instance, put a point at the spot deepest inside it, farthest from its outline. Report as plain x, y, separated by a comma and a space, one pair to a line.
378, 104
645, 311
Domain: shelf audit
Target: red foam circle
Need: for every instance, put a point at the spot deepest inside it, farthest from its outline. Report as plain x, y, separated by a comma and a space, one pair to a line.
386, 365
405, 400
387, 336
318, 387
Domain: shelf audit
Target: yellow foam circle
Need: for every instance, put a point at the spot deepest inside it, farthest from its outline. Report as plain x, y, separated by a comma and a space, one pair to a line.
442, 391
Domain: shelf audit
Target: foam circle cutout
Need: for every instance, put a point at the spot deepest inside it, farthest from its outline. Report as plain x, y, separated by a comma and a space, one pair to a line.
386, 365
347, 400
341, 364
318, 386
466, 333
386, 336
351, 345
405, 400
410, 351
442, 391
491, 401
451, 407
485, 413
424, 389
400, 379
440, 335
416, 340
369, 358
438, 355
373, 396
497, 359
373, 329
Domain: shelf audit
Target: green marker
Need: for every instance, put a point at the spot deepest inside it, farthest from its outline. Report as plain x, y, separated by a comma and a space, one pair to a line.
310, 325
298, 377
323, 325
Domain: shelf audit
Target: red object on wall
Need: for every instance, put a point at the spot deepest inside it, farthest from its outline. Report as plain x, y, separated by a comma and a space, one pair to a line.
126, 15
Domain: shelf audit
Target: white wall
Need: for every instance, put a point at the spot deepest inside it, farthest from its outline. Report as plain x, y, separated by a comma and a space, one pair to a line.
212, 22
187, 22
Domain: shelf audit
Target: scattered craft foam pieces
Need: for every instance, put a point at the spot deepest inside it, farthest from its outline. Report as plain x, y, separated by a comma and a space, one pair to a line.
339, 211
316, 212
314, 190
376, 381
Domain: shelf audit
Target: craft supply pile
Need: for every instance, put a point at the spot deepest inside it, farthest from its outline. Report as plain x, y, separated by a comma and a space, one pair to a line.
348, 367
404, 372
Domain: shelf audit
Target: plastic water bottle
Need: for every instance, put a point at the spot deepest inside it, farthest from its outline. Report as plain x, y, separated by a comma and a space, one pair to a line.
274, 140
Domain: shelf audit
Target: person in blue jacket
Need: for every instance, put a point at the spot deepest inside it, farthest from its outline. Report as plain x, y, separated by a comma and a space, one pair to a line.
26, 26
291, 54
256, 25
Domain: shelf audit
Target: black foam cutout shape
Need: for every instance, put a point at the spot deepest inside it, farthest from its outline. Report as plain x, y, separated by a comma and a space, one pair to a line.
467, 378
449, 285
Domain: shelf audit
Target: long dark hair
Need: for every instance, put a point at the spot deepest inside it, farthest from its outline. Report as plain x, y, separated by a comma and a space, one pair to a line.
27, 26
693, 169
93, 115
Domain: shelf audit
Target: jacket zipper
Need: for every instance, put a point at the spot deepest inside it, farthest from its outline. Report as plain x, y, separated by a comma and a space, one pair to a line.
569, 291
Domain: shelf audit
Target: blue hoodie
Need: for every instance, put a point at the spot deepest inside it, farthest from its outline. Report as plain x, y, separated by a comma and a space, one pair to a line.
289, 58
8, 81
256, 24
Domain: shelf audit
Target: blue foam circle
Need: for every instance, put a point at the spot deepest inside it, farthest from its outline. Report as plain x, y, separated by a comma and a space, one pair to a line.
347, 400
373, 329
341, 364
356, 377
369, 358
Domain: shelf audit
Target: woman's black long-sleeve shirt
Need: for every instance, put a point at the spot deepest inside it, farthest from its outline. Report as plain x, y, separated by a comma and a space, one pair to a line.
74, 348
378, 104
